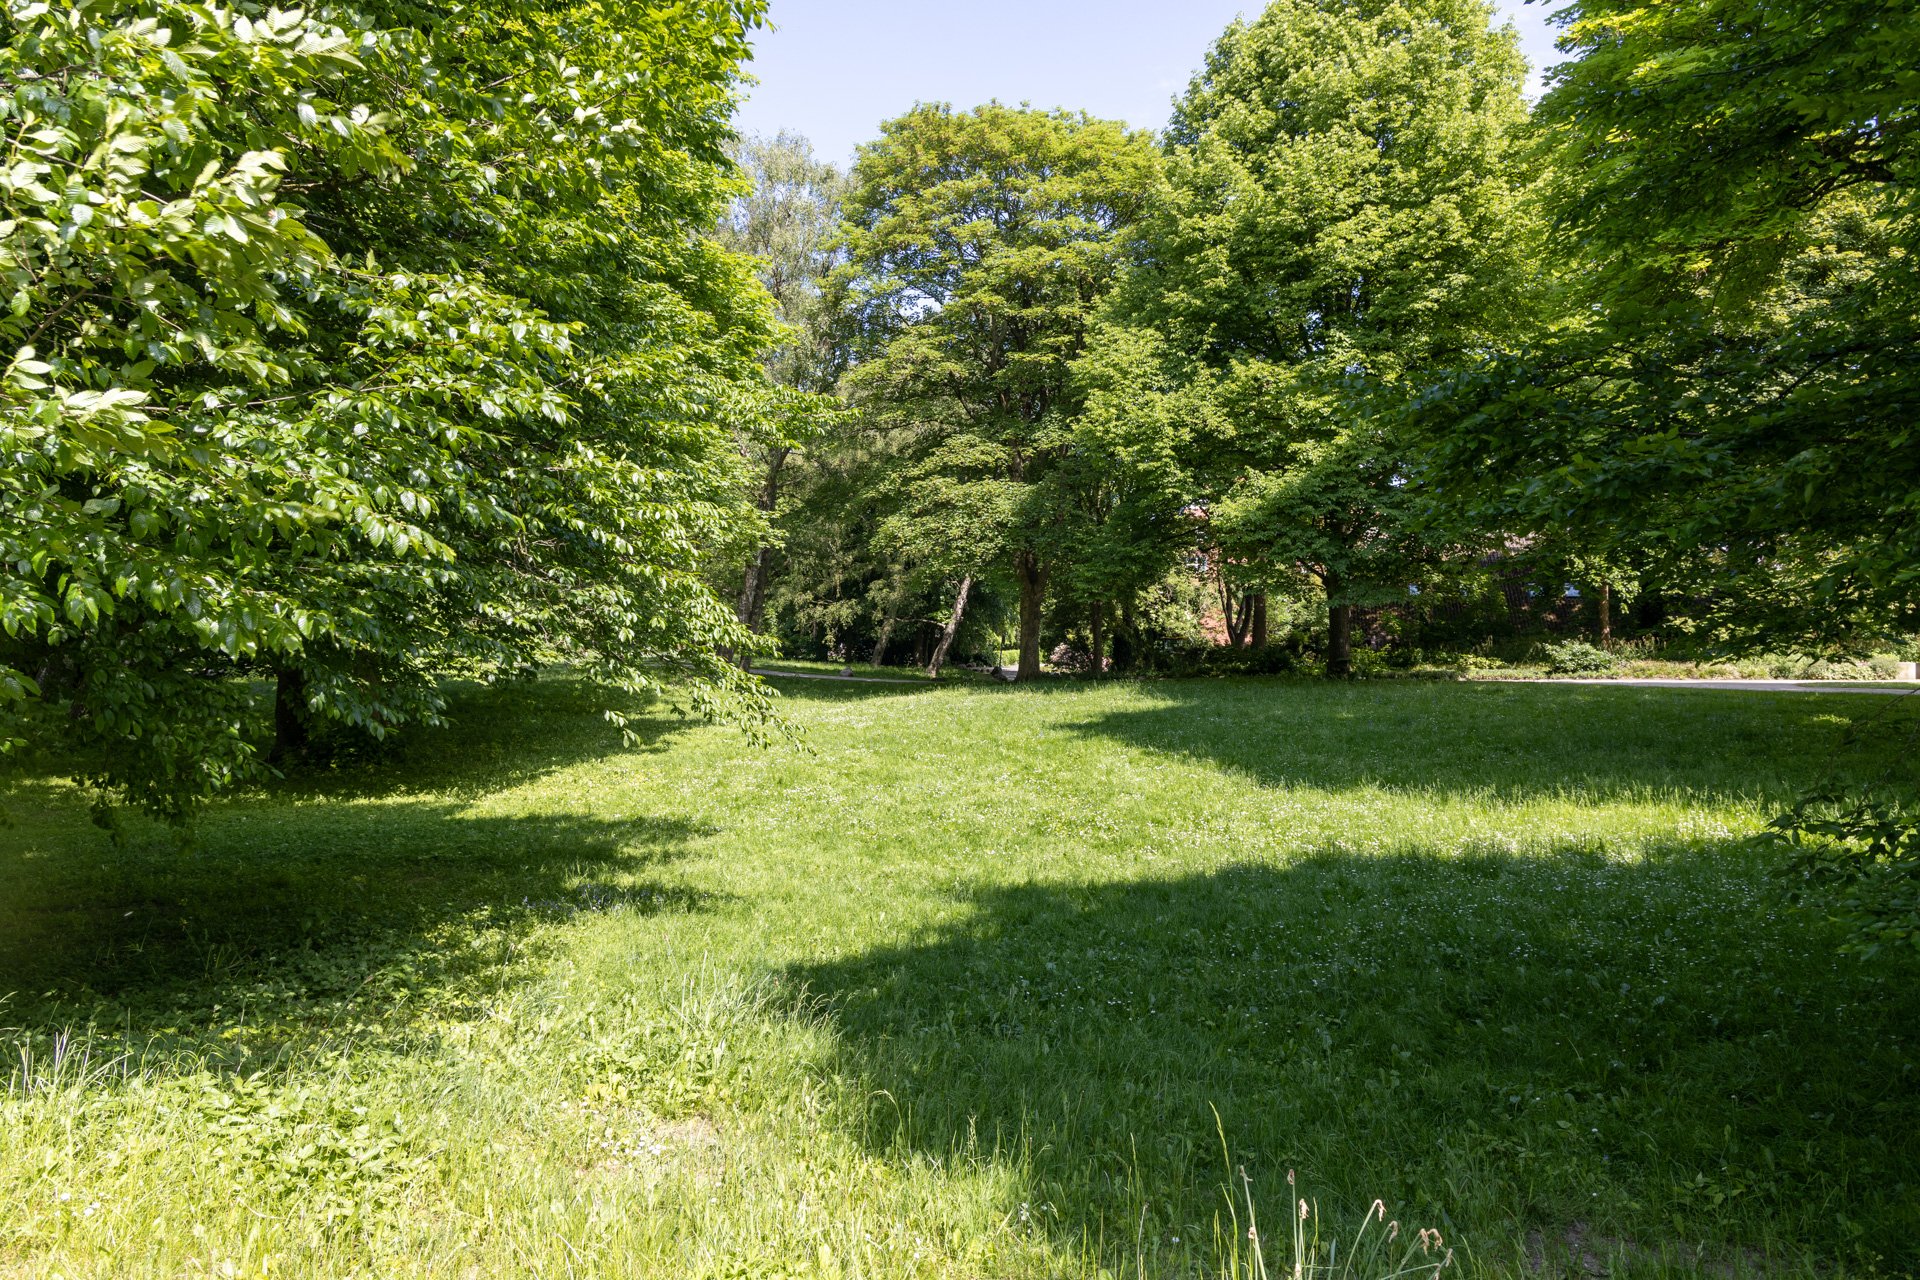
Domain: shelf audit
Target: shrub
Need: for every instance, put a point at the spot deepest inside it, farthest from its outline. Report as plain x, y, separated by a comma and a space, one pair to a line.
1836, 669
1855, 857
1576, 658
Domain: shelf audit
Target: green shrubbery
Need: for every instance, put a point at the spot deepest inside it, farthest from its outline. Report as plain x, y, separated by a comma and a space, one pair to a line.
1577, 657
1855, 857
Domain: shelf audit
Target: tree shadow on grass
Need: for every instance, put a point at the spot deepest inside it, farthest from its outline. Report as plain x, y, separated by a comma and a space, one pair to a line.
1510, 741
496, 736
1493, 1044
290, 924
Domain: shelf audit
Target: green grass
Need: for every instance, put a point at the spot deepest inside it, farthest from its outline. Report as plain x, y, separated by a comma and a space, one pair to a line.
865, 670
978, 985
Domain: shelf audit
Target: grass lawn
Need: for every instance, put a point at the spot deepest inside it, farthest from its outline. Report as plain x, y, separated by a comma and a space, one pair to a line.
864, 670
987, 982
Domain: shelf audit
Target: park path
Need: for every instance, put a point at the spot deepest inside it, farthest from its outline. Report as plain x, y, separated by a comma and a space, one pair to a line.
1744, 686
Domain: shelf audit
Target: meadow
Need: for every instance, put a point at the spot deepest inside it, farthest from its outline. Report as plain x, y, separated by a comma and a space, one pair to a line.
1073, 980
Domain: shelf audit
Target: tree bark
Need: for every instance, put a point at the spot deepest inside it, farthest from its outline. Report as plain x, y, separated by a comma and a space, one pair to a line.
1099, 637
1234, 615
753, 588
753, 585
952, 630
752, 596
1339, 630
1606, 615
1033, 590
290, 715
880, 645
1259, 640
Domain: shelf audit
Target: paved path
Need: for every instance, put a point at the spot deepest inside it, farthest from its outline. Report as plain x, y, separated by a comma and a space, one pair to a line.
1743, 686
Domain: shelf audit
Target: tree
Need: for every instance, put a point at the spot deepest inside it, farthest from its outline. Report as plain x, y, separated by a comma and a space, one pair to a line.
351, 348
787, 220
1344, 213
1124, 484
979, 245
1728, 404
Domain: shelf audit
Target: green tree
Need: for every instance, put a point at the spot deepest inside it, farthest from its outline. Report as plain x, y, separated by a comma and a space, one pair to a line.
980, 244
1728, 404
1124, 485
787, 219
356, 347
1344, 214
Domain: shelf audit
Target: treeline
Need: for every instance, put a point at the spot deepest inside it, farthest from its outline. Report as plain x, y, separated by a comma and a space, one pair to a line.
1360, 342
350, 349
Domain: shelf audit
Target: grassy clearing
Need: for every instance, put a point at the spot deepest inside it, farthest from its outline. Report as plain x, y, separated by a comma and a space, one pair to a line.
978, 987
865, 670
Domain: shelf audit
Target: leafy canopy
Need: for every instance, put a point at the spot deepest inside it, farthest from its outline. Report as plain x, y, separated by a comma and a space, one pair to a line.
1729, 398
363, 346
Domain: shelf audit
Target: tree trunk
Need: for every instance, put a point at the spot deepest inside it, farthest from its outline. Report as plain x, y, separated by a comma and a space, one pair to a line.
1606, 615
290, 715
752, 596
880, 645
1125, 646
1259, 640
753, 586
952, 630
753, 591
1033, 590
1339, 630
1099, 637
1234, 615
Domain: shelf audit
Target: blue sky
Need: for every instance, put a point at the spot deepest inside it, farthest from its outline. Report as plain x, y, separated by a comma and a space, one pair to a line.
834, 69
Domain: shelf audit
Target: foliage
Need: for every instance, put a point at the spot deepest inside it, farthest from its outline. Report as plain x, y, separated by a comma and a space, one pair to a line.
979, 245
1854, 855
357, 346
787, 219
1577, 657
1125, 478
1343, 211
1726, 401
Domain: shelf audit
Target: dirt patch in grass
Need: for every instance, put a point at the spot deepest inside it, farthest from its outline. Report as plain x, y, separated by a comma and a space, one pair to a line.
1579, 1251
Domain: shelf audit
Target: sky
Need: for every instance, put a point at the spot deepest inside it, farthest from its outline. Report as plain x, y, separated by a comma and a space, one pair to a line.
834, 69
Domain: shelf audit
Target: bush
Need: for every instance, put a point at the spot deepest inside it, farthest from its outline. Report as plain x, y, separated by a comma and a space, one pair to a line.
1855, 857
1837, 669
1576, 658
